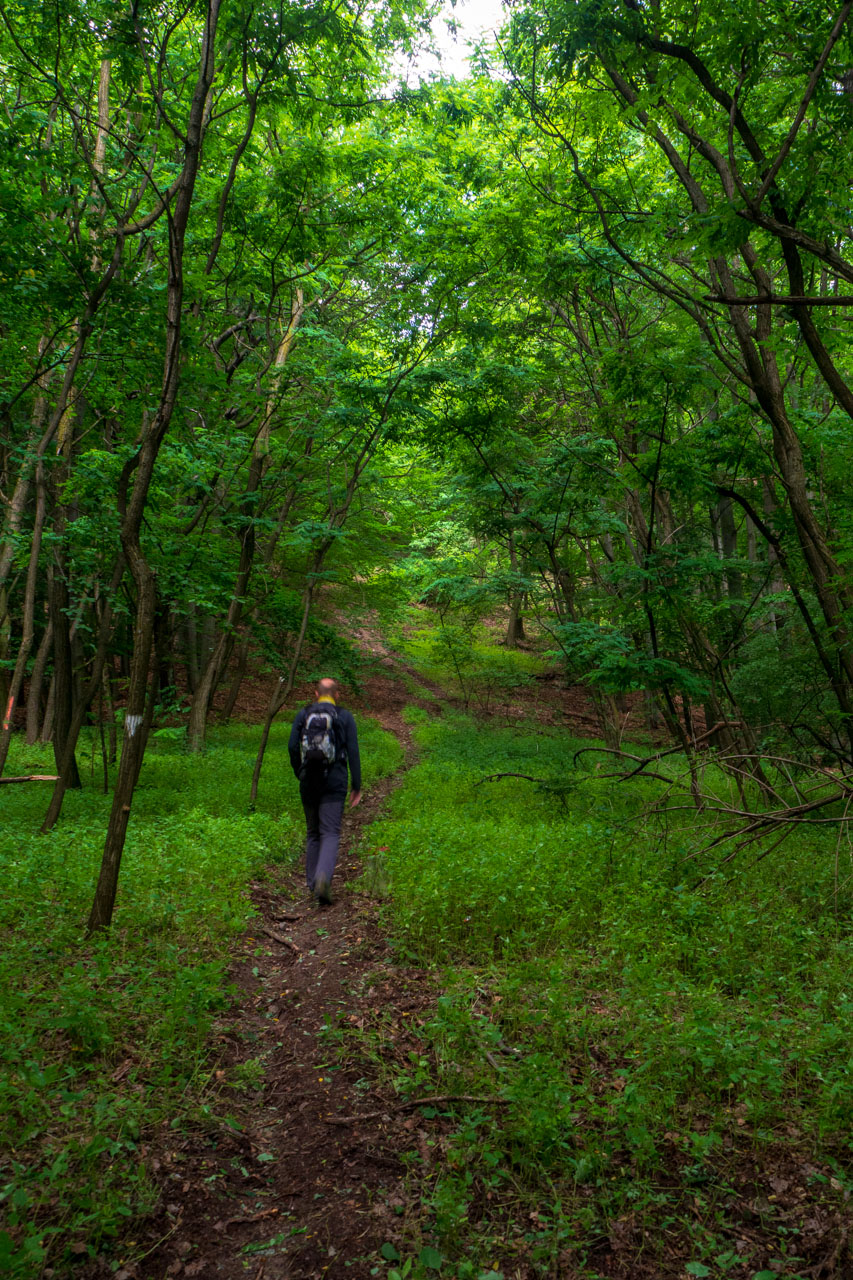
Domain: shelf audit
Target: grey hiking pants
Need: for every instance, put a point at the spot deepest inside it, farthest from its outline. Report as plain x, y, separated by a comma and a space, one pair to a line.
323, 822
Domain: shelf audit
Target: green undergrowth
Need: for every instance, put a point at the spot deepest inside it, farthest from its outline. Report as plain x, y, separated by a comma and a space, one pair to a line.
466, 661
100, 1041
643, 1014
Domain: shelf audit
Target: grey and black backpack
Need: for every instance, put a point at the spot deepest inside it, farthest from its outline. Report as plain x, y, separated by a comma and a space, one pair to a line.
318, 747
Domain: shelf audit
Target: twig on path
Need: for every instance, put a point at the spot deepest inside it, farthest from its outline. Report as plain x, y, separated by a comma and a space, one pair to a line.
417, 1102
279, 937
251, 1217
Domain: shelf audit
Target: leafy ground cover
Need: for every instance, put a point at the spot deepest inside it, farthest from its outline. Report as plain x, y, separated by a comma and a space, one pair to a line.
101, 1041
462, 655
661, 1049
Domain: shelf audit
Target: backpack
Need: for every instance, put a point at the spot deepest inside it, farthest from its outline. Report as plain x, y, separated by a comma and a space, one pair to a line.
318, 746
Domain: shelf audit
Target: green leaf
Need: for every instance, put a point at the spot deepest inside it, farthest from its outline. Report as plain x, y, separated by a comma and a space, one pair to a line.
697, 1269
389, 1253
429, 1257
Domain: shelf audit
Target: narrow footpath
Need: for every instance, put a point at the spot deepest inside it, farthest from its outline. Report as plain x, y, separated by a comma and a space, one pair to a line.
295, 1186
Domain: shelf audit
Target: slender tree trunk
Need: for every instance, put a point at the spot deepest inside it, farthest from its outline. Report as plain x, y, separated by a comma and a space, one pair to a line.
34, 708
16, 509
63, 682
141, 697
729, 548
285, 686
607, 716
239, 677
112, 736
515, 624
218, 661
133, 508
5, 644
28, 627
208, 640
777, 580
92, 688
46, 734
191, 650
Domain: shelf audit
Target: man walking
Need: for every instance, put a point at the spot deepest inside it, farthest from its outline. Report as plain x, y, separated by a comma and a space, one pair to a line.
323, 745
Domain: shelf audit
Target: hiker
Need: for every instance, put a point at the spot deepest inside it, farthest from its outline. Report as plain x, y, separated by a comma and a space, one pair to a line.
323, 744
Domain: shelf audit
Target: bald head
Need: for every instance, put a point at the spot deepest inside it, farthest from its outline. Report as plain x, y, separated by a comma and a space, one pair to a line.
327, 688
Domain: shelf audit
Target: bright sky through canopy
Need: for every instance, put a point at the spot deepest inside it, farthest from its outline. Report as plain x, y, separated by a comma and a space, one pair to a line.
473, 19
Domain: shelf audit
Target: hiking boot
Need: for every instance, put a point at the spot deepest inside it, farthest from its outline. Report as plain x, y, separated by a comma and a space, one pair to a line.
322, 891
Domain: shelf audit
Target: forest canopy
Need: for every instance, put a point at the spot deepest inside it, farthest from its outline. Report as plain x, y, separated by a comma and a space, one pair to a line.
567, 337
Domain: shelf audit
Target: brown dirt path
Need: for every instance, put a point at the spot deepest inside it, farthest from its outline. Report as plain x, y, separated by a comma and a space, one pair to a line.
282, 1192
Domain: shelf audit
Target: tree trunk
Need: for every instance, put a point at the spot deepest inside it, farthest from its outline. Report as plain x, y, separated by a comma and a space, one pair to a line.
236, 683
139, 711
34, 709
28, 627
285, 686
729, 548
191, 650
133, 508
46, 734
63, 682
87, 695
777, 580
515, 624
112, 736
607, 716
208, 640
218, 660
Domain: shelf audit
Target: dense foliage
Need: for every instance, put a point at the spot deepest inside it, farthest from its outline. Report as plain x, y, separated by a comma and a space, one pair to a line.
641, 1015
563, 344
253, 296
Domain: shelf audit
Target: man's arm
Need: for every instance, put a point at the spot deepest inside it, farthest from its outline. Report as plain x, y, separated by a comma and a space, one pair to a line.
353, 759
293, 743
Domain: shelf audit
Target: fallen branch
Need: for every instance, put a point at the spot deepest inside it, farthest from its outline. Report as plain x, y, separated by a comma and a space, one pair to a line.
33, 777
417, 1102
279, 937
251, 1217
656, 755
495, 777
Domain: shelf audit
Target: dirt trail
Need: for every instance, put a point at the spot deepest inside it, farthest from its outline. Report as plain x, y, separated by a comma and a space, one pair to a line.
288, 1194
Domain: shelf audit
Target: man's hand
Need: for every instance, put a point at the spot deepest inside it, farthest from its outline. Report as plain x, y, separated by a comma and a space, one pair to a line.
355, 798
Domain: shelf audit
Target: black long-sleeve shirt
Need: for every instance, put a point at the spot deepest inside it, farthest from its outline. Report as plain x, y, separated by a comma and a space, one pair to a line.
347, 749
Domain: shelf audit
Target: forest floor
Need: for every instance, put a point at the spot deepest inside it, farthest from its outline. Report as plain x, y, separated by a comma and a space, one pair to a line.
318, 1164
